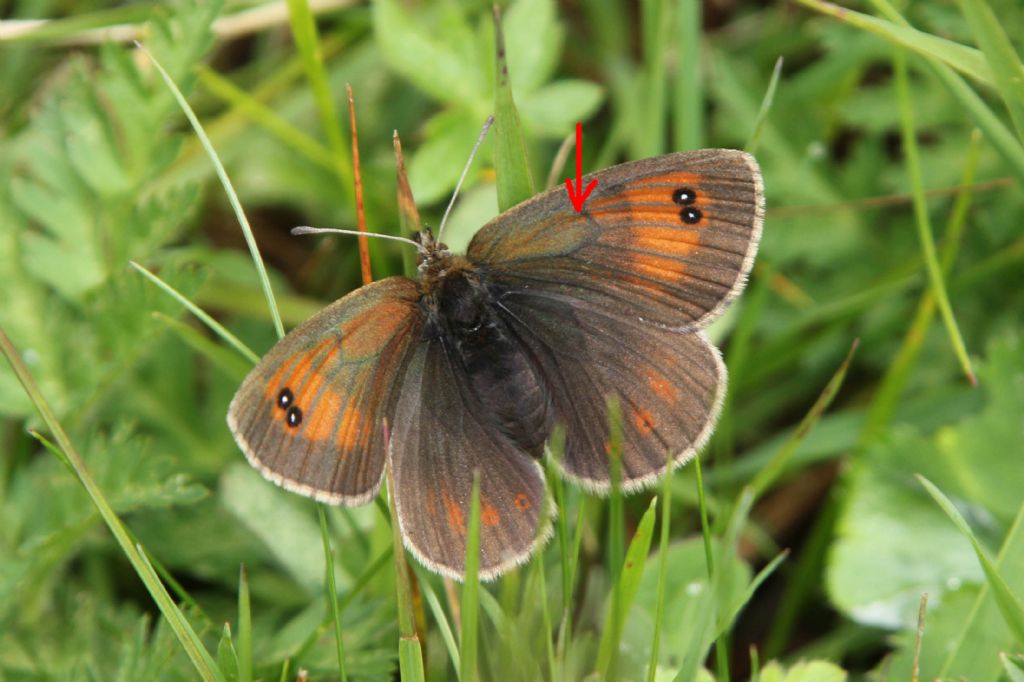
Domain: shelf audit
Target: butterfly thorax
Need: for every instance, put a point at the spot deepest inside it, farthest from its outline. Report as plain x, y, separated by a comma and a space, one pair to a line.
502, 380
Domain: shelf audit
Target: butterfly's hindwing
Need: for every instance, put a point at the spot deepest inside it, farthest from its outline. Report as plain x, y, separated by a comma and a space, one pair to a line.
668, 385
442, 435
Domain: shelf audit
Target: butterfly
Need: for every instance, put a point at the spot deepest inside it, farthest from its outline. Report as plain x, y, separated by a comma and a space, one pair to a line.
468, 369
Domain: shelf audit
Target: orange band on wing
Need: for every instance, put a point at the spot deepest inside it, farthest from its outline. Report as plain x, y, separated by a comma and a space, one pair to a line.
350, 430
367, 333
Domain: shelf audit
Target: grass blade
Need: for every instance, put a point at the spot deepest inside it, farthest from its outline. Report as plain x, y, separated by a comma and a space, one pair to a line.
770, 473
999, 136
218, 356
1007, 70
332, 591
190, 642
626, 587
924, 230
434, 604
898, 374
276, 125
766, 106
659, 609
215, 326
307, 40
410, 653
244, 628
966, 60
688, 97
721, 646
229, 189
752, 588
616, 536
1008, 603
227, 657
470, 605
656, 20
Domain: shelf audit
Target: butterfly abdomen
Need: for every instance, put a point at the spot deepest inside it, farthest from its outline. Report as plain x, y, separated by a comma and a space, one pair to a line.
502, 381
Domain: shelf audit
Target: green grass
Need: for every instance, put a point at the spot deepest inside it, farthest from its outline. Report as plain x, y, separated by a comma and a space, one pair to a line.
136, 544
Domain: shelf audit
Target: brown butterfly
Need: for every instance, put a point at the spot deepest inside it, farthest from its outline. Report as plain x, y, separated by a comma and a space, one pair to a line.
548, 314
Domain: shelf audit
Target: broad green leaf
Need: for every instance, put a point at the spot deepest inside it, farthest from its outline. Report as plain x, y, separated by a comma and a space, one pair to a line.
290, 535
417, 47
893, 543
965, 634
804, 671
554, 109
534, 37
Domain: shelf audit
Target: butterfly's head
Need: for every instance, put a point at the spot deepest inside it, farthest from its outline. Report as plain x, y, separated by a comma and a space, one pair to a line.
430, 251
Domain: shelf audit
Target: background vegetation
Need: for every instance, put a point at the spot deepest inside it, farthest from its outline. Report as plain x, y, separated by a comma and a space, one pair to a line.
892, 155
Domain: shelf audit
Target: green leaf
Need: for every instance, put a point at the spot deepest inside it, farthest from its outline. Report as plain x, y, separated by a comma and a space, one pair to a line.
534, 38
515, 184
1013, 664
893, 544
275, 516
1007, 70
688, 625
438, 162
804, 671
967, 631
555, 108
421, 47
227, 657
1008, 603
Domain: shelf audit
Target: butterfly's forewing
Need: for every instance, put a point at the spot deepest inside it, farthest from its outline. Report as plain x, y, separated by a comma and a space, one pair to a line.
440, 438
669, 239
610, 301
310, 415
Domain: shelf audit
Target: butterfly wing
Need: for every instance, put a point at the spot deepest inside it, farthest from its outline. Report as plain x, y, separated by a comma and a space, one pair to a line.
670, 239
310, 415
440, 438
668, 385
610, 301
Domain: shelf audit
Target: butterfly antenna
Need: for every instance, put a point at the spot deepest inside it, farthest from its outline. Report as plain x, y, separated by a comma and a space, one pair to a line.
472, 155
306, 229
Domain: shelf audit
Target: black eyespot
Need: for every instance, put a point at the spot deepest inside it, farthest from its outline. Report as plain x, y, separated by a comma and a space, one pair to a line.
285, 398
684, 196
293, 416
691, 216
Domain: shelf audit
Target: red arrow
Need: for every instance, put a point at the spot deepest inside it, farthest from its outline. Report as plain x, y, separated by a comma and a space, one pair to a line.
578, 196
